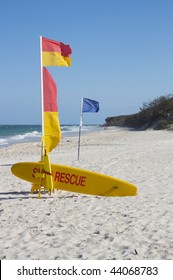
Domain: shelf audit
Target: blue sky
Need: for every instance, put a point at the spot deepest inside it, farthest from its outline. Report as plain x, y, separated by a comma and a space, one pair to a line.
122, 56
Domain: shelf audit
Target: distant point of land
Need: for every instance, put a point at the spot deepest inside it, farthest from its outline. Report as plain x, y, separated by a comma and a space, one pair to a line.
156, 114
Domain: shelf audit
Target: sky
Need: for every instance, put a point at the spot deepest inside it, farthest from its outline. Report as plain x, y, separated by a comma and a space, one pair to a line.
122, 56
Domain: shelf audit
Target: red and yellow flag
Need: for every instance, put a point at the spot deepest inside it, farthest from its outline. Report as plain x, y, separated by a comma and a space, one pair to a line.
55, 53
52, 130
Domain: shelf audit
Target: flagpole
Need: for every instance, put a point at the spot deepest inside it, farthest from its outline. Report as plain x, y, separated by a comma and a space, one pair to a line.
80, 127
42, 104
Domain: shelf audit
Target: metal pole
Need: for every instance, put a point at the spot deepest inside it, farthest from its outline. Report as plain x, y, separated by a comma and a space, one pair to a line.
80, 128
42, 102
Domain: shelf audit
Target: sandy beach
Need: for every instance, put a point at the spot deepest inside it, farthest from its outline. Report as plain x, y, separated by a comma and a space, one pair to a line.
68, 225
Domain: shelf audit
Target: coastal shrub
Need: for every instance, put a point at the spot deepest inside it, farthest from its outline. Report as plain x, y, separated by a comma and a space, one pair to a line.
156, 113
157, 110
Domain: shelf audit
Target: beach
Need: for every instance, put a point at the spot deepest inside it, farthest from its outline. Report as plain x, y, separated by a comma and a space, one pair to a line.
69, 225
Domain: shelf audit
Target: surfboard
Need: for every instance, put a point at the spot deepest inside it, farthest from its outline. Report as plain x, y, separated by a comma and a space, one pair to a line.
74, 179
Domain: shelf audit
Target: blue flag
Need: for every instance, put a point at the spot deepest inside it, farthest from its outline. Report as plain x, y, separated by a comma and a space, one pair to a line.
89, 105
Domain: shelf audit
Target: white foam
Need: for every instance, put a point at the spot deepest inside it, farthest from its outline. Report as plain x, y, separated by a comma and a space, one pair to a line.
3, 142
27, 135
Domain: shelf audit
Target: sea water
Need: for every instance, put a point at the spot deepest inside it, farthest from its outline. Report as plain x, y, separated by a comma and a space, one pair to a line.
12, 134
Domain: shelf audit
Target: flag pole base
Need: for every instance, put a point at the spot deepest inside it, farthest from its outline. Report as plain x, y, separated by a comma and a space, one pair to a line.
46, 175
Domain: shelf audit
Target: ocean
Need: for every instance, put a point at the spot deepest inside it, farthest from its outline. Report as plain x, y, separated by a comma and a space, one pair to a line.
12, 134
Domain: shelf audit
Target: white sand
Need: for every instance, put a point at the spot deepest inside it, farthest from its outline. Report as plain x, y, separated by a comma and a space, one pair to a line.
73, 226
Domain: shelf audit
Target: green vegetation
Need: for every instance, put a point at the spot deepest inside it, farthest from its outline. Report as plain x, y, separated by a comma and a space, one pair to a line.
156, 114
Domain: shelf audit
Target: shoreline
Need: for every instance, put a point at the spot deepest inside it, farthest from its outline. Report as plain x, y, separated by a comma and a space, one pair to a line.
35, 135
68, 225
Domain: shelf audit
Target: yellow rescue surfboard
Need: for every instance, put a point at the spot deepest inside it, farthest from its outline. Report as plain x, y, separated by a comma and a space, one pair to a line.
74, 179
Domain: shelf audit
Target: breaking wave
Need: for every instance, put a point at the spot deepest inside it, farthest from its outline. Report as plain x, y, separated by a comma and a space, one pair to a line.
19, 134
